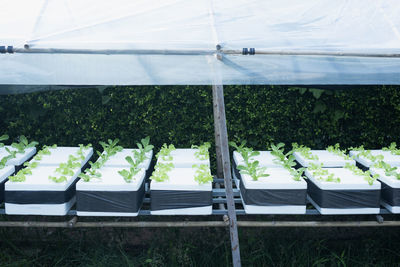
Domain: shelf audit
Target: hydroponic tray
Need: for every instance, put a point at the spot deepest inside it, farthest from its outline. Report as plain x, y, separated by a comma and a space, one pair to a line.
390, 191
38, 195
352, 195
275, 194
328, 159
181, 194
110, 195
20, 158
388, 157
4, 174
184, 158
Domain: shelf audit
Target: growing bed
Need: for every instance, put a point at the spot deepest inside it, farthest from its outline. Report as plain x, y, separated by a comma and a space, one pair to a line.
365, 162
351, 195
20, 158
42, 188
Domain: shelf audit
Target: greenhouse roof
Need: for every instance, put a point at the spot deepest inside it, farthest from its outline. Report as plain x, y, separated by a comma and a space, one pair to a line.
159, 42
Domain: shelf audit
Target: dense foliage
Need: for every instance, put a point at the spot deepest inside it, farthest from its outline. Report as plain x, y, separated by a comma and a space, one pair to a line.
262, 115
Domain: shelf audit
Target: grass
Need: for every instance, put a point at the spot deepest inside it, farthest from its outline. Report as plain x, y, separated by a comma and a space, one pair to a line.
199, 247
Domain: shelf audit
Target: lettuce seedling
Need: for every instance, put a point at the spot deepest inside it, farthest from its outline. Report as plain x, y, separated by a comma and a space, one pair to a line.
392, 148
23, 144
202, 151
357, 171
165, 152
144, 147
160, 173
304, 151
366, 154
337, 151
203, 173
4, 160
133, 170
389, 170
286, 160
322, 174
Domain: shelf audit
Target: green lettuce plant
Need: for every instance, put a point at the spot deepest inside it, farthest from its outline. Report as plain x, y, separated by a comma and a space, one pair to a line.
357, 171
366, 154
202, 151
165, 152
203, 174
337, 151
144, 147
304, 151
286, 160
29, 166
4, 160
160, 173
68, 169
4, 137
23, 144
392, 148
322, 174
389, 170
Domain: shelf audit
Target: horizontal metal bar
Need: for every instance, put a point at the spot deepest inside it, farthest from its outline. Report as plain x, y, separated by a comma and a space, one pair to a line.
199, 52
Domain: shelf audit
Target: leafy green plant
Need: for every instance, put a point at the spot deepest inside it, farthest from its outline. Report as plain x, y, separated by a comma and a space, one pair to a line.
4, 160
111, 148
23, 144
4, 137
202, 151
357, 171
203, 174
304, 151
161, 170
144, 147
29, 166
133, 169
165, 152
337, 151
322, 174
366, 154
286, 160
69, 168
392, 148
389, 170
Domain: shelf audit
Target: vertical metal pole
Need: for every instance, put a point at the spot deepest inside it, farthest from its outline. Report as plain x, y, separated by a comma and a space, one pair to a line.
221, 138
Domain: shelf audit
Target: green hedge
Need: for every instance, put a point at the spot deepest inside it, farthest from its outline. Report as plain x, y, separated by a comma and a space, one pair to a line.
183, 115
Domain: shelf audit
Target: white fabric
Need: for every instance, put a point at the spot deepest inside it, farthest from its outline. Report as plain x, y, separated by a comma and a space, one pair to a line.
360, 26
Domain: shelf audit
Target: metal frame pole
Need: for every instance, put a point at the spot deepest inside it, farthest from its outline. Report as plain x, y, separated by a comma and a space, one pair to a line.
221, 138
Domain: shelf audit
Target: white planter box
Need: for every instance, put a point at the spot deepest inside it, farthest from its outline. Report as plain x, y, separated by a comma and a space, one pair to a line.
275, 194
390, 191
20, 157
265, 158
185, 158
392, 160
353, 195
38, 195
118, 160
328, 159
4, 174
60, 154
111, 195
181, 194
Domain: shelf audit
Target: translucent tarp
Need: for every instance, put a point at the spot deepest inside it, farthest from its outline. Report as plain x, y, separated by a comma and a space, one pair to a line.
323, 26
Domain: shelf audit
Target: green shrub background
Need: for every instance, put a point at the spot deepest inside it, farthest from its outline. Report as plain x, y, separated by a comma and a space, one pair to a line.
183, 115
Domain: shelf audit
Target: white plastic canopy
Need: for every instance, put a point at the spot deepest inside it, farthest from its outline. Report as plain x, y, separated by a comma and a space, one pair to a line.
160, 42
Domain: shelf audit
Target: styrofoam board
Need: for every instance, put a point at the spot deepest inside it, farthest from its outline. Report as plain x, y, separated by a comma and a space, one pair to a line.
39, 209
392, 209
329, 211
185, 158
279, 178
389, 180
118, 160
265, 159
328, 159
393, 160
347, 181
39, 180
207, 210
181, 179
5, 172
60, 154
20, 158
287, 209
111, 180
106, 214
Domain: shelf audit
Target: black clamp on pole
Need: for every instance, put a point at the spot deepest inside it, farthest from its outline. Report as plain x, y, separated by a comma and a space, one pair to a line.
248, 51
8, 49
